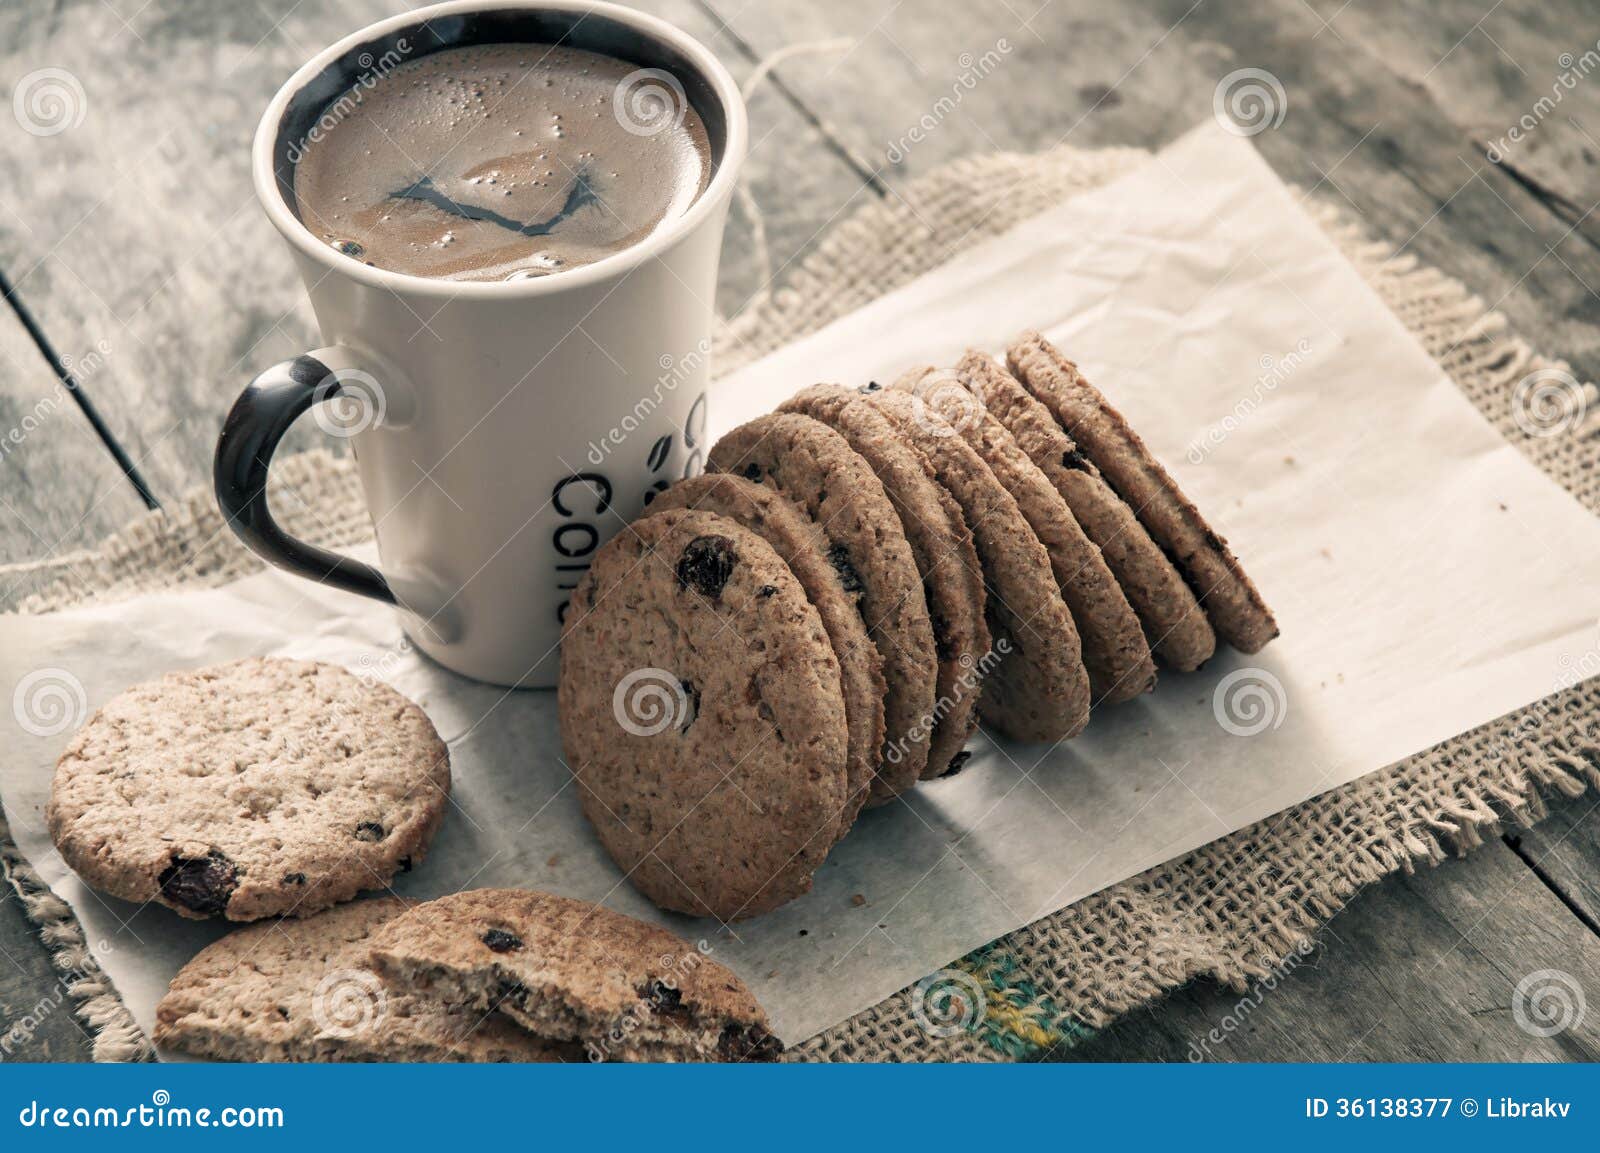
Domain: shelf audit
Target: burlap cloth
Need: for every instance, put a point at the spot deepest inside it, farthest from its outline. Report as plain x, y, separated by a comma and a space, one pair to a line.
1231, 911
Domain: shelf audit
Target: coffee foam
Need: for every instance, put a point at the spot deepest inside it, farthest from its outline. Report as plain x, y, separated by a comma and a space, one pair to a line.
501, 161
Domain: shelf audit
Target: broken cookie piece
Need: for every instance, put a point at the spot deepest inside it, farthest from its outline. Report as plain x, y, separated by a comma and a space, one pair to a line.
305, 990
577, 974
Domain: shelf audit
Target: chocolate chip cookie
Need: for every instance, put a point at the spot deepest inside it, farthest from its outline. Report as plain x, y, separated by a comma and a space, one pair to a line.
805, 550
1177, 630
253, 789
702, 716
568, 971
1228, 596
1037, 688
952, 580
1114, 649
817, 469
306, 990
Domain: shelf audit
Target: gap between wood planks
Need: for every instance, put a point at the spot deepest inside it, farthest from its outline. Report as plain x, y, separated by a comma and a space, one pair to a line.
830, 139
75, 389
1514, 843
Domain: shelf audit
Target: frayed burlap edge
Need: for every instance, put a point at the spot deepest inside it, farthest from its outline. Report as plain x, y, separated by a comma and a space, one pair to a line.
95, 1002
1233, 910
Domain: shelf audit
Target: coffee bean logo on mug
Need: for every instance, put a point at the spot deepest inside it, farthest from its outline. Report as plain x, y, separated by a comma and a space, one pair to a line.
508, 217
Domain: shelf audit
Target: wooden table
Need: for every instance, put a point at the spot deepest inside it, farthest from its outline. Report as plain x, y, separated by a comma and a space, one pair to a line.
133, 252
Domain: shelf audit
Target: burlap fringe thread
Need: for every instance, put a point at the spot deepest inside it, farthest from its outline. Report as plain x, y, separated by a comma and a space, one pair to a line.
1232, 910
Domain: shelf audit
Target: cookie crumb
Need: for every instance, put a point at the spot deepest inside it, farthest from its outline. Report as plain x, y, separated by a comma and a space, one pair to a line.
858, 900
552, 860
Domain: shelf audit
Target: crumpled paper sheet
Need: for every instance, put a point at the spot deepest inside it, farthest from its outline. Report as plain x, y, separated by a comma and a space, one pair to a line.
1426, 576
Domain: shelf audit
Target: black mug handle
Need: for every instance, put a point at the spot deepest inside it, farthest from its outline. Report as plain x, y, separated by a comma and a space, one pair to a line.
250, 434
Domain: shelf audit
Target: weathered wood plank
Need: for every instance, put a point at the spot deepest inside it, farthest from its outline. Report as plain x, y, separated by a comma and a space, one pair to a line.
1419, 968
1365, 121
1565, 852
59, 489
36, 1018
141, 230
1496, 71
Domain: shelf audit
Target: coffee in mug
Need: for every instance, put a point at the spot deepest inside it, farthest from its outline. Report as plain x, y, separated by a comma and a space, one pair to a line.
501, 162
507, 215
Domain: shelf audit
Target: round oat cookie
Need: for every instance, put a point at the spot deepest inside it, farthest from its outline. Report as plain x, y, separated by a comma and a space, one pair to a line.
568, 970
1180, 637
1228, 596
805, 550
1038, 688
258, 788
816, 468
1114, 649
952, 579
702, 716
306, 990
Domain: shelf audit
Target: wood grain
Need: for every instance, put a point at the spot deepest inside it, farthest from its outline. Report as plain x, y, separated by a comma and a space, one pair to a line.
60, 491
1383, 111
1419, 968
135, 233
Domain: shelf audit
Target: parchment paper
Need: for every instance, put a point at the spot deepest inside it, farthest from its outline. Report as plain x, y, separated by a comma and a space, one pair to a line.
1426, 576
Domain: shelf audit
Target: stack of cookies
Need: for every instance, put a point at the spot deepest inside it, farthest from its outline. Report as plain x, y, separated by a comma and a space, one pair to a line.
820, 621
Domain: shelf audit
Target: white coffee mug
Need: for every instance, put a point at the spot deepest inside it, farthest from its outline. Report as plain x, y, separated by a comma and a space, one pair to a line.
502, 431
